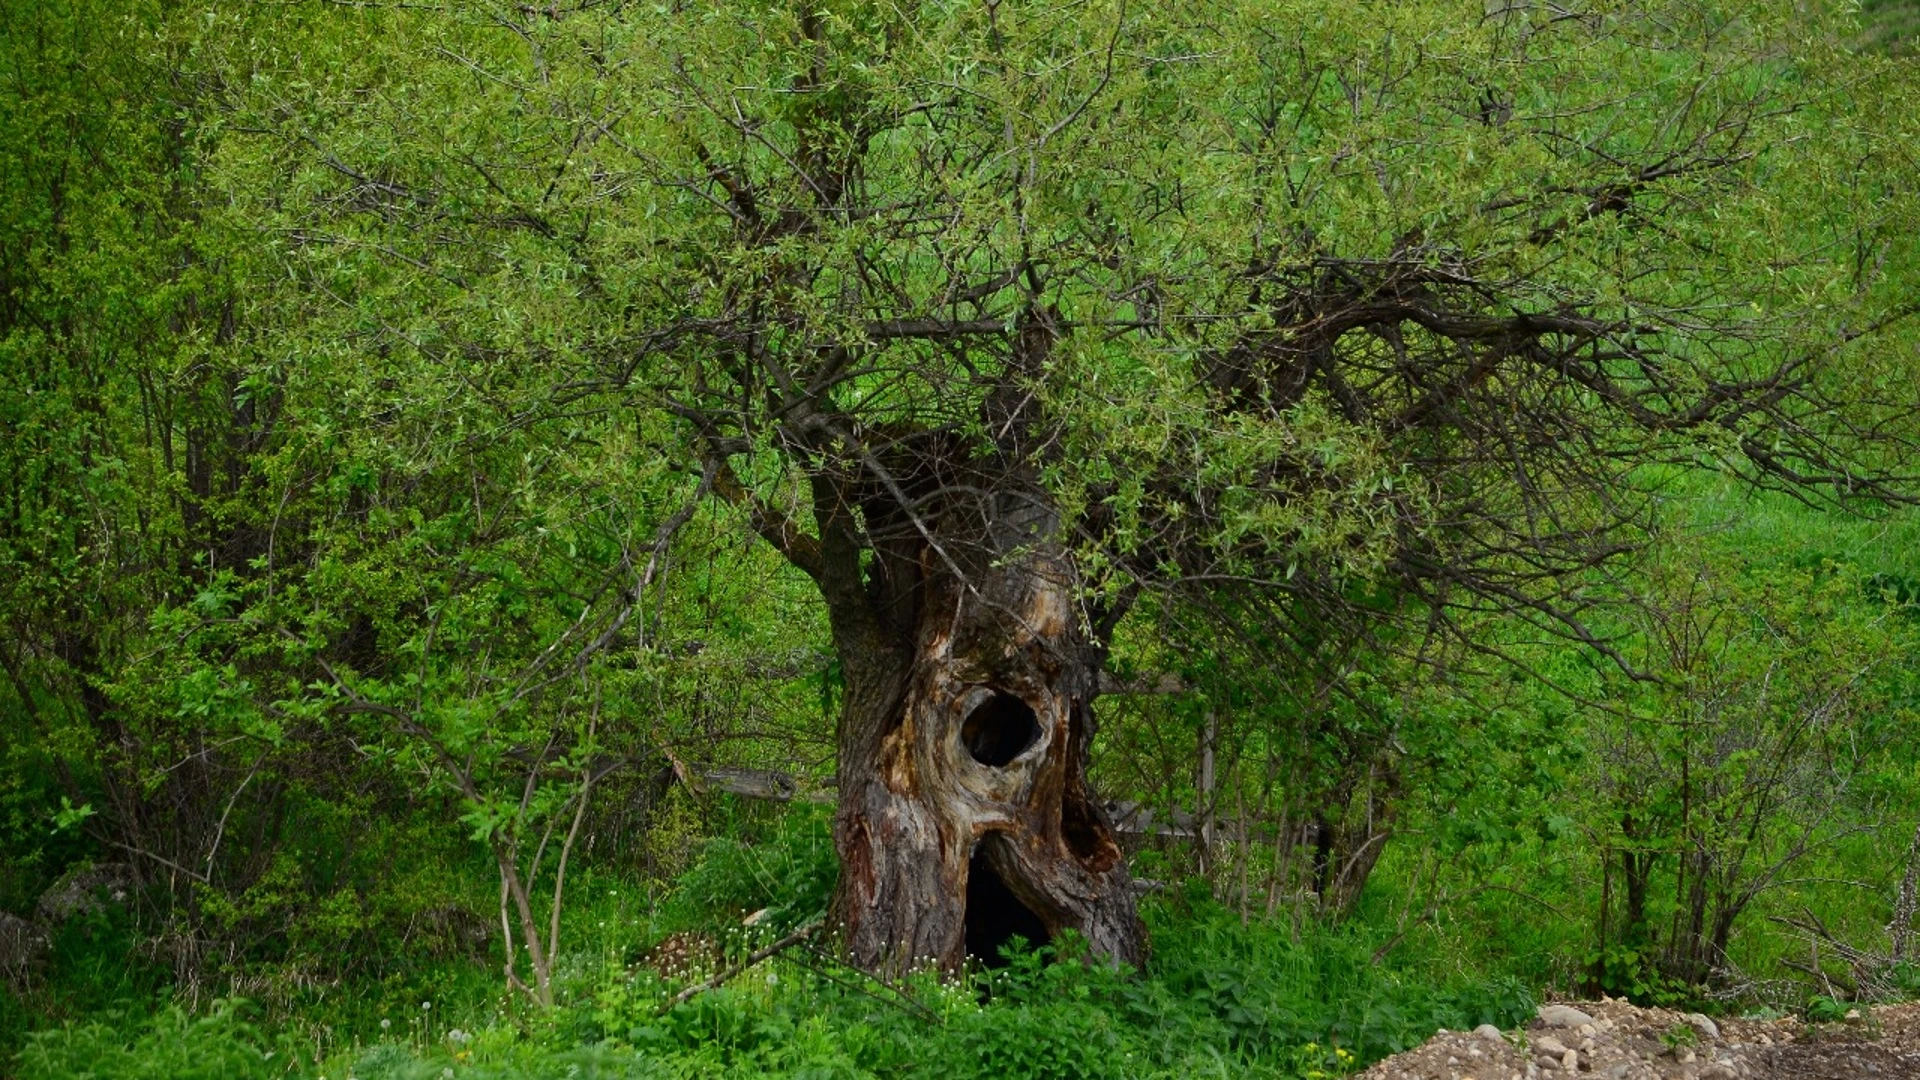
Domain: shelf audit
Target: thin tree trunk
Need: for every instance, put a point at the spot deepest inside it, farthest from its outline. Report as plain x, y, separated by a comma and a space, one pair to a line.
1900, 927
1282, 858
1203, 796
515, 890
1241, 852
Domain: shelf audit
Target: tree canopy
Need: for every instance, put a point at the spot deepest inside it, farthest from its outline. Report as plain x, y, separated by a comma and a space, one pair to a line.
1265, 295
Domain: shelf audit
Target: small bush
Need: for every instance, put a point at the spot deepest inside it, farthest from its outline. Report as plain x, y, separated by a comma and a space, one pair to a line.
1071, 1039
792, 874
173, 1045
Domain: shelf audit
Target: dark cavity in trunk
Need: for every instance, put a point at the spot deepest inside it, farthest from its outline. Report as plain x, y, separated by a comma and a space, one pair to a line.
995, 916
999, 729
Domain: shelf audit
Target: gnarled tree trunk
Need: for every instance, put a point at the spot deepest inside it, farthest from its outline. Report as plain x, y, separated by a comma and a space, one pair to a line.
965, 817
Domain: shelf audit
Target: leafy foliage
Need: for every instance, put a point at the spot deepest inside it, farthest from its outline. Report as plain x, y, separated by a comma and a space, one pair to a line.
219, 1045
436, 440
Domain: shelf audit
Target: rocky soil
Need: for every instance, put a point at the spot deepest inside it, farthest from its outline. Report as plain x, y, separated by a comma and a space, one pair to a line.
1617, 1041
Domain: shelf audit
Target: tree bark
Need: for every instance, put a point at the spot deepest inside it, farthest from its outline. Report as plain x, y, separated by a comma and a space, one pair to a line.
965, 817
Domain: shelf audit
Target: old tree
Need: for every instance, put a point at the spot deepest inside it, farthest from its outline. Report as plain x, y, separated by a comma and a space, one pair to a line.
997, 318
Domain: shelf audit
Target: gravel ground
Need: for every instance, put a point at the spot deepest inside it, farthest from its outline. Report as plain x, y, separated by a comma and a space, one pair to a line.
1612, 1040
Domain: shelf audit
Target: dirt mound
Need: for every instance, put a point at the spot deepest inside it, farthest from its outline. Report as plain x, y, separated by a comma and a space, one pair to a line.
1612, 1040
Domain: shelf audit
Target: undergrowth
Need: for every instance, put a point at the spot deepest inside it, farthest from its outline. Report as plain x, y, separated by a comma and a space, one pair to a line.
1222, 997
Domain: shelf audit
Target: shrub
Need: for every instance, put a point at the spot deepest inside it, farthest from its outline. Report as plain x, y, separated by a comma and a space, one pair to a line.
172, 1045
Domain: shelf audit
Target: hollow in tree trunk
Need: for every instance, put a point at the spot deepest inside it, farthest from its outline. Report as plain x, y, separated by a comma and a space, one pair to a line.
965, 816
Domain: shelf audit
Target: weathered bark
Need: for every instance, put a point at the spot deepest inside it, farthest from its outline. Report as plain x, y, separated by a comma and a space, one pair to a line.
965, 816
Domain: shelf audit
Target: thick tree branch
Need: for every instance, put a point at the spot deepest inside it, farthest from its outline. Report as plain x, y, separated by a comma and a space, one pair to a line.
800, 549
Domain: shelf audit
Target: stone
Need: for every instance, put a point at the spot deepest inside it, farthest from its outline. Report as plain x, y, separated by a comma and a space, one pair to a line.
1547, 1044
1489, 1033
1704, 1024
1546, 1061
83, 891
1619, 1071
22, 947
1570, 1061
1563, 1016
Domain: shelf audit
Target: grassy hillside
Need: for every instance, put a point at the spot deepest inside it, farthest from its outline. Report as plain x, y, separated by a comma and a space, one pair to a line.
1893, 25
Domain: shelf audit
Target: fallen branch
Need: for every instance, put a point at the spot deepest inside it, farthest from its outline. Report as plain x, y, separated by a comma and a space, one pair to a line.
756, 957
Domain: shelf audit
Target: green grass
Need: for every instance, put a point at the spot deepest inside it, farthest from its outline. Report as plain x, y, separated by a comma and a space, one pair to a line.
219, 1045
1221, 998
1892, 25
